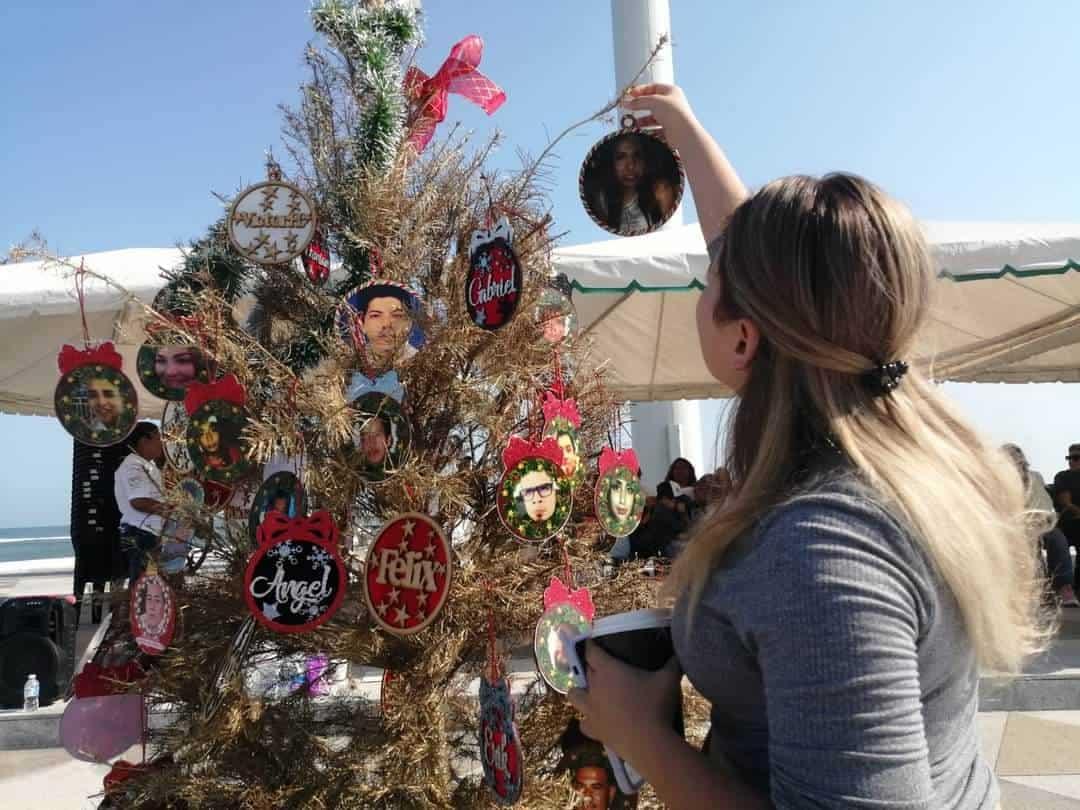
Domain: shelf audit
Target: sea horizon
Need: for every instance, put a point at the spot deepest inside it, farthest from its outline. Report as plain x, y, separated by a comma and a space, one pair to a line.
23, 543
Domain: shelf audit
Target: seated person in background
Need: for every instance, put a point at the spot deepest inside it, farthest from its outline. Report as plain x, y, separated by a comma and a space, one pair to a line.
1067, 495
1054, 541
669, 519
682, 473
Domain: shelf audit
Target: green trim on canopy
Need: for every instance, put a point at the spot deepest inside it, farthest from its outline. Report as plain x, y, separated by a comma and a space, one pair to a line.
1007, 270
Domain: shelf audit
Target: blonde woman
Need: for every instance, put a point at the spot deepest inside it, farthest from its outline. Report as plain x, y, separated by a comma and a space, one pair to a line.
872, 553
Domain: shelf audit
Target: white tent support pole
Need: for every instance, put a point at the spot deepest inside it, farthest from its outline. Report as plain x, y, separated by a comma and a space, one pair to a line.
661, 431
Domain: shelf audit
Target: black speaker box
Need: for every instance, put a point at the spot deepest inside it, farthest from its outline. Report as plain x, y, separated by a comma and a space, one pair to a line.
37, 635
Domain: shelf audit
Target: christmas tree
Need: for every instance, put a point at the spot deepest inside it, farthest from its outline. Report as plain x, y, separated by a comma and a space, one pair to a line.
398, 216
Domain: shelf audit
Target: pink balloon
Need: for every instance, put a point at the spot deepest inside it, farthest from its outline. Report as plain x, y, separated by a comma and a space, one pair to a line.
96, 729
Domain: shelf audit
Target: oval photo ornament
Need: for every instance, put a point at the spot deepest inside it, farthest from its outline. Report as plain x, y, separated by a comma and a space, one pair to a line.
94, 400
167, 371
295, 580
493, 285
619, 501
214, 433
534, 497
631, 181
282, 492
153, 614
272, 222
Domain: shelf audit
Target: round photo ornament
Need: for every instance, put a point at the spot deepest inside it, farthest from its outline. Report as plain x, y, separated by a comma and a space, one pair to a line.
94, 400
561, 422
534, 498
494, 282
295, 580
555, 315
408, 574
382, 320
271, 223
619, 502
500, 746
631, 181
282, 492
567, 615
382, 433
167, 371
214, 433
153, 613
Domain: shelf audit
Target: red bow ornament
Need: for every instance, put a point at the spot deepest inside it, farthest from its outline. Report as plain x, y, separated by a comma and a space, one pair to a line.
556, 593
227, 388
104, 354
459, 74
610, 459
518, 450
318, 528
556, 408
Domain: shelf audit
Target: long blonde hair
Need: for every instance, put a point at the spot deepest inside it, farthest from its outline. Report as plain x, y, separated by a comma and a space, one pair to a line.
837, 278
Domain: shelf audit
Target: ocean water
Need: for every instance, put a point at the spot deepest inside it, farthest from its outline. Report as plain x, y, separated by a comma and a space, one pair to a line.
34, 543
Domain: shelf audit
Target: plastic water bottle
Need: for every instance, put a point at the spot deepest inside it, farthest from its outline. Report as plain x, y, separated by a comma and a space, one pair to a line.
31, 691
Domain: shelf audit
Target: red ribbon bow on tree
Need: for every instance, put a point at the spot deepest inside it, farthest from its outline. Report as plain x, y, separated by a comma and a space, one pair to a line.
104, 354
556, 593
610, 459
518, 450
459, 74
556, 408
227, 388
317, 528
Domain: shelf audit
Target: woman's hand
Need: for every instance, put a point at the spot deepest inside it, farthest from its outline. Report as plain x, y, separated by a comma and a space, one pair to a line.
667, 106
623, 704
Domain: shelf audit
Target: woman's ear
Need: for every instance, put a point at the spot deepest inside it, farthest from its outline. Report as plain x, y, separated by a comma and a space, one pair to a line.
746, 344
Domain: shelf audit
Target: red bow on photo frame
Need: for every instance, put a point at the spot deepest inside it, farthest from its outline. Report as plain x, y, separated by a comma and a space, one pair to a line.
610, 459
104, 354
227, 389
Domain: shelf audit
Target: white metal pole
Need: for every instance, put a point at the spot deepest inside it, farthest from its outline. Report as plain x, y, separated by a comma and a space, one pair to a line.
661, 431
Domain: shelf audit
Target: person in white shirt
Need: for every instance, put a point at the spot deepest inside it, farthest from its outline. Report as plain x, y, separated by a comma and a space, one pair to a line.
139, 496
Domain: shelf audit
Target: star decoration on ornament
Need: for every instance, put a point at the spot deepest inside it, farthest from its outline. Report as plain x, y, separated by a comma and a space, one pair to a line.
269, 196
270, 612
259, 241
421, 600
439, 568
410, 525
382, 607
393, 596
403, 546
429, 551
271, 251
484, 262
481, 317
401, 616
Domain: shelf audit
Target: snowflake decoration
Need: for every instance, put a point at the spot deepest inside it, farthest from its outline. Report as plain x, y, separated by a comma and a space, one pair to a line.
319, 558
285, 551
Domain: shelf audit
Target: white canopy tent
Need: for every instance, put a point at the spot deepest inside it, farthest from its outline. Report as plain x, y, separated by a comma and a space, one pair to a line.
1007, 309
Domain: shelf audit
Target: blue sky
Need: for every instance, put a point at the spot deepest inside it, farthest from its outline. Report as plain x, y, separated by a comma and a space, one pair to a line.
121, 118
